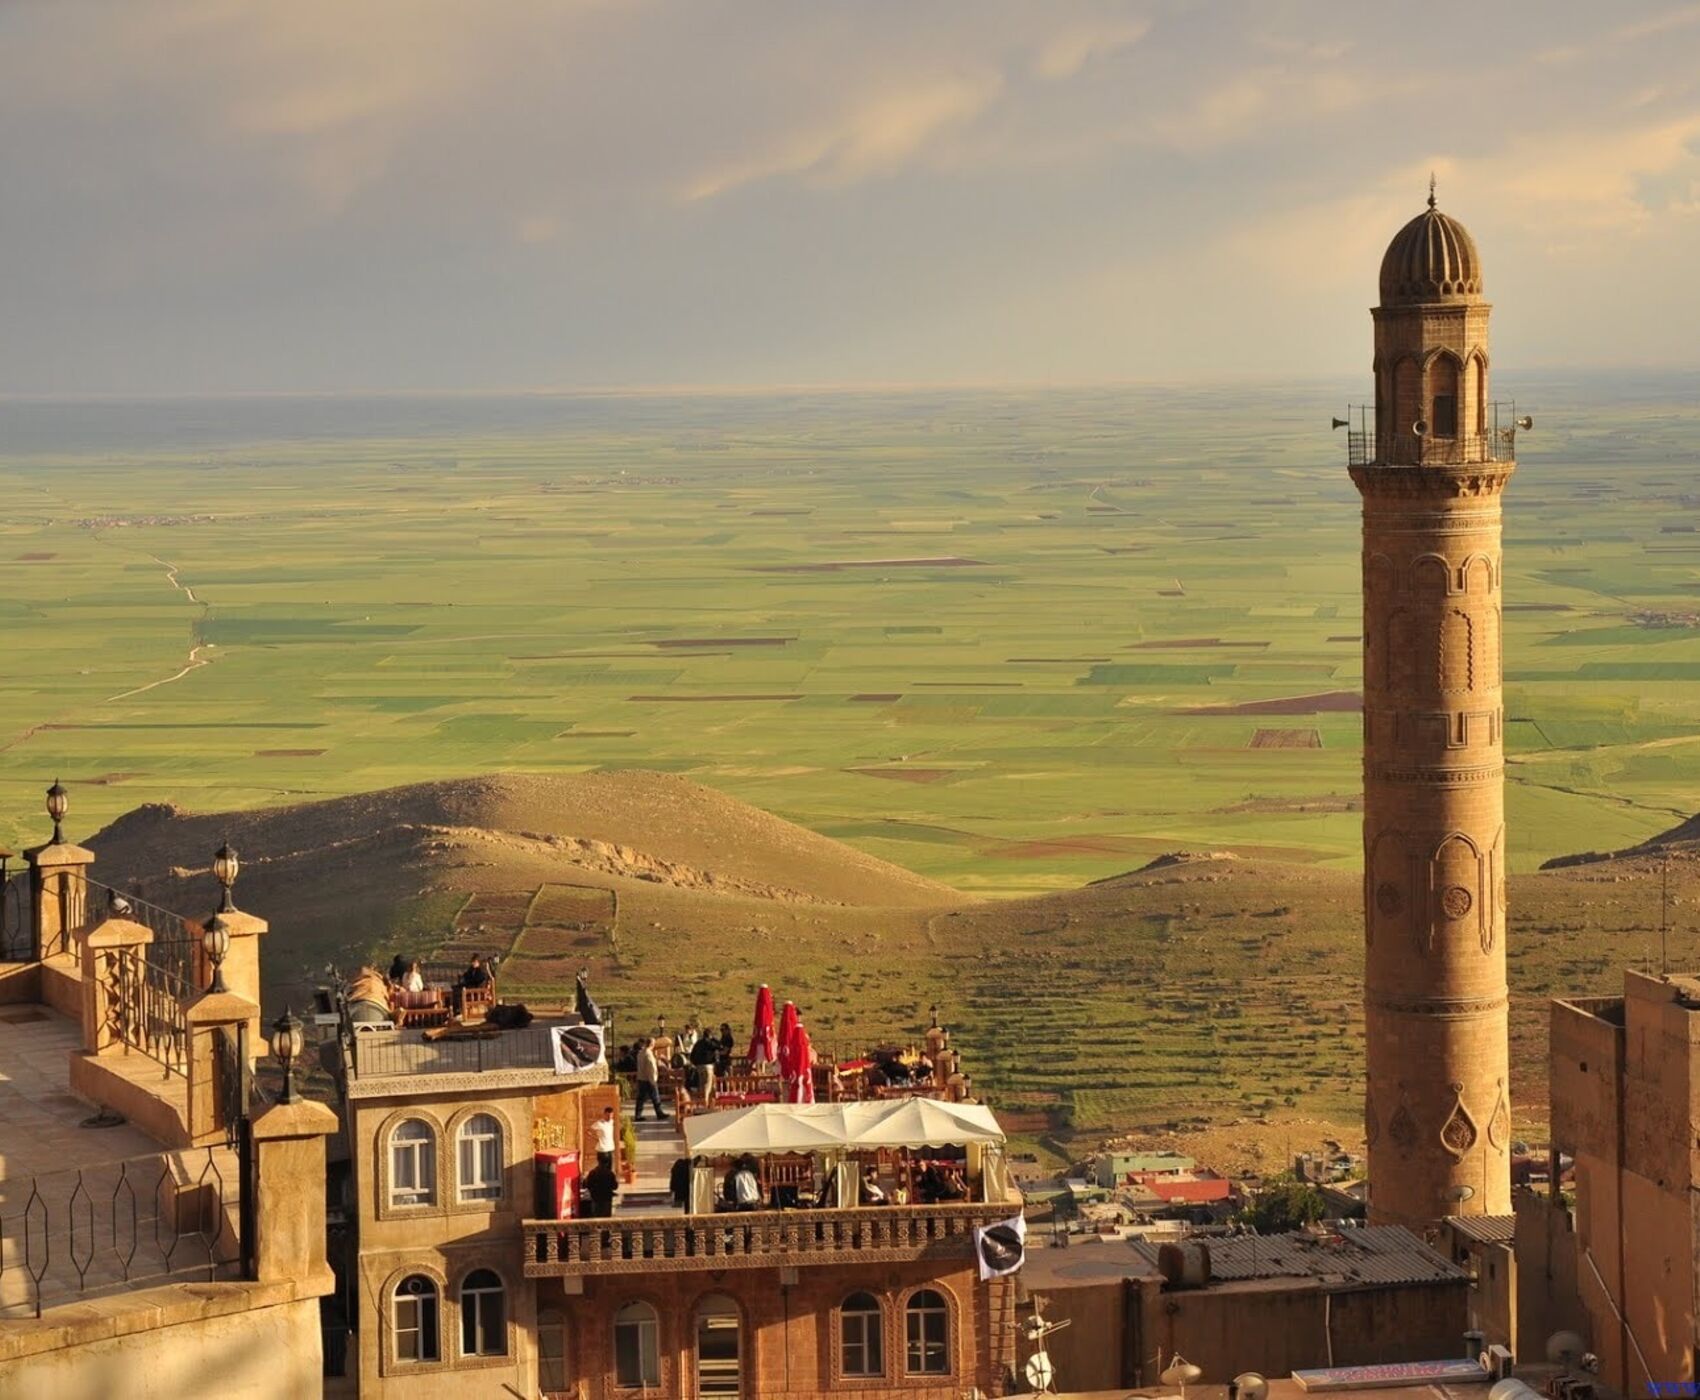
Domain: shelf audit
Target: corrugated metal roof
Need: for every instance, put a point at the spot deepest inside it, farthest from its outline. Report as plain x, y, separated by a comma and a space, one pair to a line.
1354, 1258
1489, 1229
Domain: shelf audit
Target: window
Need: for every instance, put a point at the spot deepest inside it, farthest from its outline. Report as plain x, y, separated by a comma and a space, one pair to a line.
415, 1320
480, 1156
718, 1363
928, 1319
413, 1164
483, 1315
860, 1335
637, 1347
1446, 415
551, 1351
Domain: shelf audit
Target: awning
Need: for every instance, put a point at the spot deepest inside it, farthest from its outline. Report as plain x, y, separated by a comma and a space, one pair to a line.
813, 1127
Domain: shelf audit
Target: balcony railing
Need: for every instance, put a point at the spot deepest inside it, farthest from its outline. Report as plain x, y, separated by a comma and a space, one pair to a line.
756, 1239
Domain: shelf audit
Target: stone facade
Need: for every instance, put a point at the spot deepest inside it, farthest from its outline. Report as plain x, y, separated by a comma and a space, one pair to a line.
1438, 1112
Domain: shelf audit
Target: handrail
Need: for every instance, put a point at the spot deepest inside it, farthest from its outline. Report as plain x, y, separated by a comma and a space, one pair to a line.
115, 1225
755, 1239
146, 1007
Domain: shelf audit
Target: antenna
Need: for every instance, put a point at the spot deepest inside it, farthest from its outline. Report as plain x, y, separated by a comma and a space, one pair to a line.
1664, 916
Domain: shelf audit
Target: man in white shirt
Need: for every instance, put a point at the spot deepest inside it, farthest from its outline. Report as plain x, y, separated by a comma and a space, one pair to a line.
603, 1128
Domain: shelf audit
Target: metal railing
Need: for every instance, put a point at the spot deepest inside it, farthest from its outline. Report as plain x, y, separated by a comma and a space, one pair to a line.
118, 1225
1496, 442
755, 1239
17, 924
389, 1054
146, 1007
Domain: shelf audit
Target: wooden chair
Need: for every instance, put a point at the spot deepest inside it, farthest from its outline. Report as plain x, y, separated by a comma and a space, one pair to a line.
427, 1008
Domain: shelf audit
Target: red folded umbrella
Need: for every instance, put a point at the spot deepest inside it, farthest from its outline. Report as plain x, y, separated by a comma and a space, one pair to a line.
802, 1066
763, 1042
787, 1029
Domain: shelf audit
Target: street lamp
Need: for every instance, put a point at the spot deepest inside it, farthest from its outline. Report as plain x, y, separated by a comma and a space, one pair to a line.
224, 868
58, 803
215, 943
287, 1046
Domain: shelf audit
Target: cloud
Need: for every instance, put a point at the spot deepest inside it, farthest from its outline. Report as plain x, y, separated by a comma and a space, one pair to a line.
877, 136
1069, 50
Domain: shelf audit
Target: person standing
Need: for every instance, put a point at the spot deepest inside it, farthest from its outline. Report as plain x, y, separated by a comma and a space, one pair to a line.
648, 1075
603, 1131
705, 1055
600, 1186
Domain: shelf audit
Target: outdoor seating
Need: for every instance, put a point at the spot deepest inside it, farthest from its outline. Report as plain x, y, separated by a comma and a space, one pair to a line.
429, 1007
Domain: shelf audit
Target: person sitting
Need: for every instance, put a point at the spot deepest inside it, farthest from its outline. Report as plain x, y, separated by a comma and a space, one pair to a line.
689, 1036
746, 1186
936, 1185
398, 968
414, 981
475, 978
873, 1194
601, 1185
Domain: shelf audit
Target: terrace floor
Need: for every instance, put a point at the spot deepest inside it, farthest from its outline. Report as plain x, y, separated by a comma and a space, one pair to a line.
40, 1119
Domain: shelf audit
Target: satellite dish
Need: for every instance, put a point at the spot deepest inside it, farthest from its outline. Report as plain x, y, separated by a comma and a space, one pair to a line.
1461, 1193
1420, 427
1181, 1372
1564, 1349
1040, 1373
1248, 1385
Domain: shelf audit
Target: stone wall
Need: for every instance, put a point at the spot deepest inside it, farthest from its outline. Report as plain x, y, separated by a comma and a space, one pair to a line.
224, 1341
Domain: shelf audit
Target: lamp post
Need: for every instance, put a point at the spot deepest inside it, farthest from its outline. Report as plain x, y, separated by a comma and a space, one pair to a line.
287, 1046
215, 943
225, 866
58, 803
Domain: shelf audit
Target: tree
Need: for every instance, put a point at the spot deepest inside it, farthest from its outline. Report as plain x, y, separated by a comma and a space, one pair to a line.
1284, 1204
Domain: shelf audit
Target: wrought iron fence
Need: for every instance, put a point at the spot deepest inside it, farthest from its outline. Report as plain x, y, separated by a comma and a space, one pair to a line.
118, 1225
146, 1007
1496, 442
17, 926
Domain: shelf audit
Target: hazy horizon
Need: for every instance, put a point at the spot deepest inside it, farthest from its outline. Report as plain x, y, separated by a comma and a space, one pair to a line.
214, 197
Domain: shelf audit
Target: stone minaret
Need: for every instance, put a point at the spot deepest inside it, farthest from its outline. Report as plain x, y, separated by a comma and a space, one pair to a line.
1438, 1110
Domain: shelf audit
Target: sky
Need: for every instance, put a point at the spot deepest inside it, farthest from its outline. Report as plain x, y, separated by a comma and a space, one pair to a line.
228, 196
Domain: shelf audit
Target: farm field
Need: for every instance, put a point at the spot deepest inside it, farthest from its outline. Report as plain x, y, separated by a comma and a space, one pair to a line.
1010, 641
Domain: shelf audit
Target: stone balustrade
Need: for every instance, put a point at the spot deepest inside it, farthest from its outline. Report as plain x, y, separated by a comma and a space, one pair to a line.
756, 1239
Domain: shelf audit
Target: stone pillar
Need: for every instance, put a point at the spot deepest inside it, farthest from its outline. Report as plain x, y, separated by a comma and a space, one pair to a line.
58, 871
207, 1016
289, 1205
98, 948
241, 963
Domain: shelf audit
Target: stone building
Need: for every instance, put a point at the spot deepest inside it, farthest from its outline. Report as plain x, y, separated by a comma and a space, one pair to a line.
1625, 1085
1437, 1115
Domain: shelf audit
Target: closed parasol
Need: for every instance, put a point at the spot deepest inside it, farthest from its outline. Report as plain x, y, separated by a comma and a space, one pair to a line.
802, 1066
787, 1029
764, 1046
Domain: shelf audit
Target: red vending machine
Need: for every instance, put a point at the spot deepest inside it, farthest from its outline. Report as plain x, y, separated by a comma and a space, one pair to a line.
557, 1184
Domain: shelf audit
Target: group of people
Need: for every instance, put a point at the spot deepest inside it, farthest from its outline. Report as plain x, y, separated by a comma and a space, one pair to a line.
409, 976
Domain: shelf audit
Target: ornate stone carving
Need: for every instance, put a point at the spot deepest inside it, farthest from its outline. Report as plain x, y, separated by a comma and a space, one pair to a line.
1388, 899
1401, 1127
1456, 902
1458, 1132
1499, 1125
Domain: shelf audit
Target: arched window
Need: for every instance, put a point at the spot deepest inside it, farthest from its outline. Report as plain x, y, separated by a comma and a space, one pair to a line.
927, 1320
637, 1347
483, 1314
413, 1319
719, 1359
479, 1155
413, 1164
552, 1372
861, 1336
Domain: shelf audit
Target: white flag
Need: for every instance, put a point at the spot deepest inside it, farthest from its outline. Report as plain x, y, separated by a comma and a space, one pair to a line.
576, 1047
1001, 1246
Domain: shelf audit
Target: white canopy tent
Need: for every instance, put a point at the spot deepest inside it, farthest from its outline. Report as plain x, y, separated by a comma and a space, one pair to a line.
823, 1127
